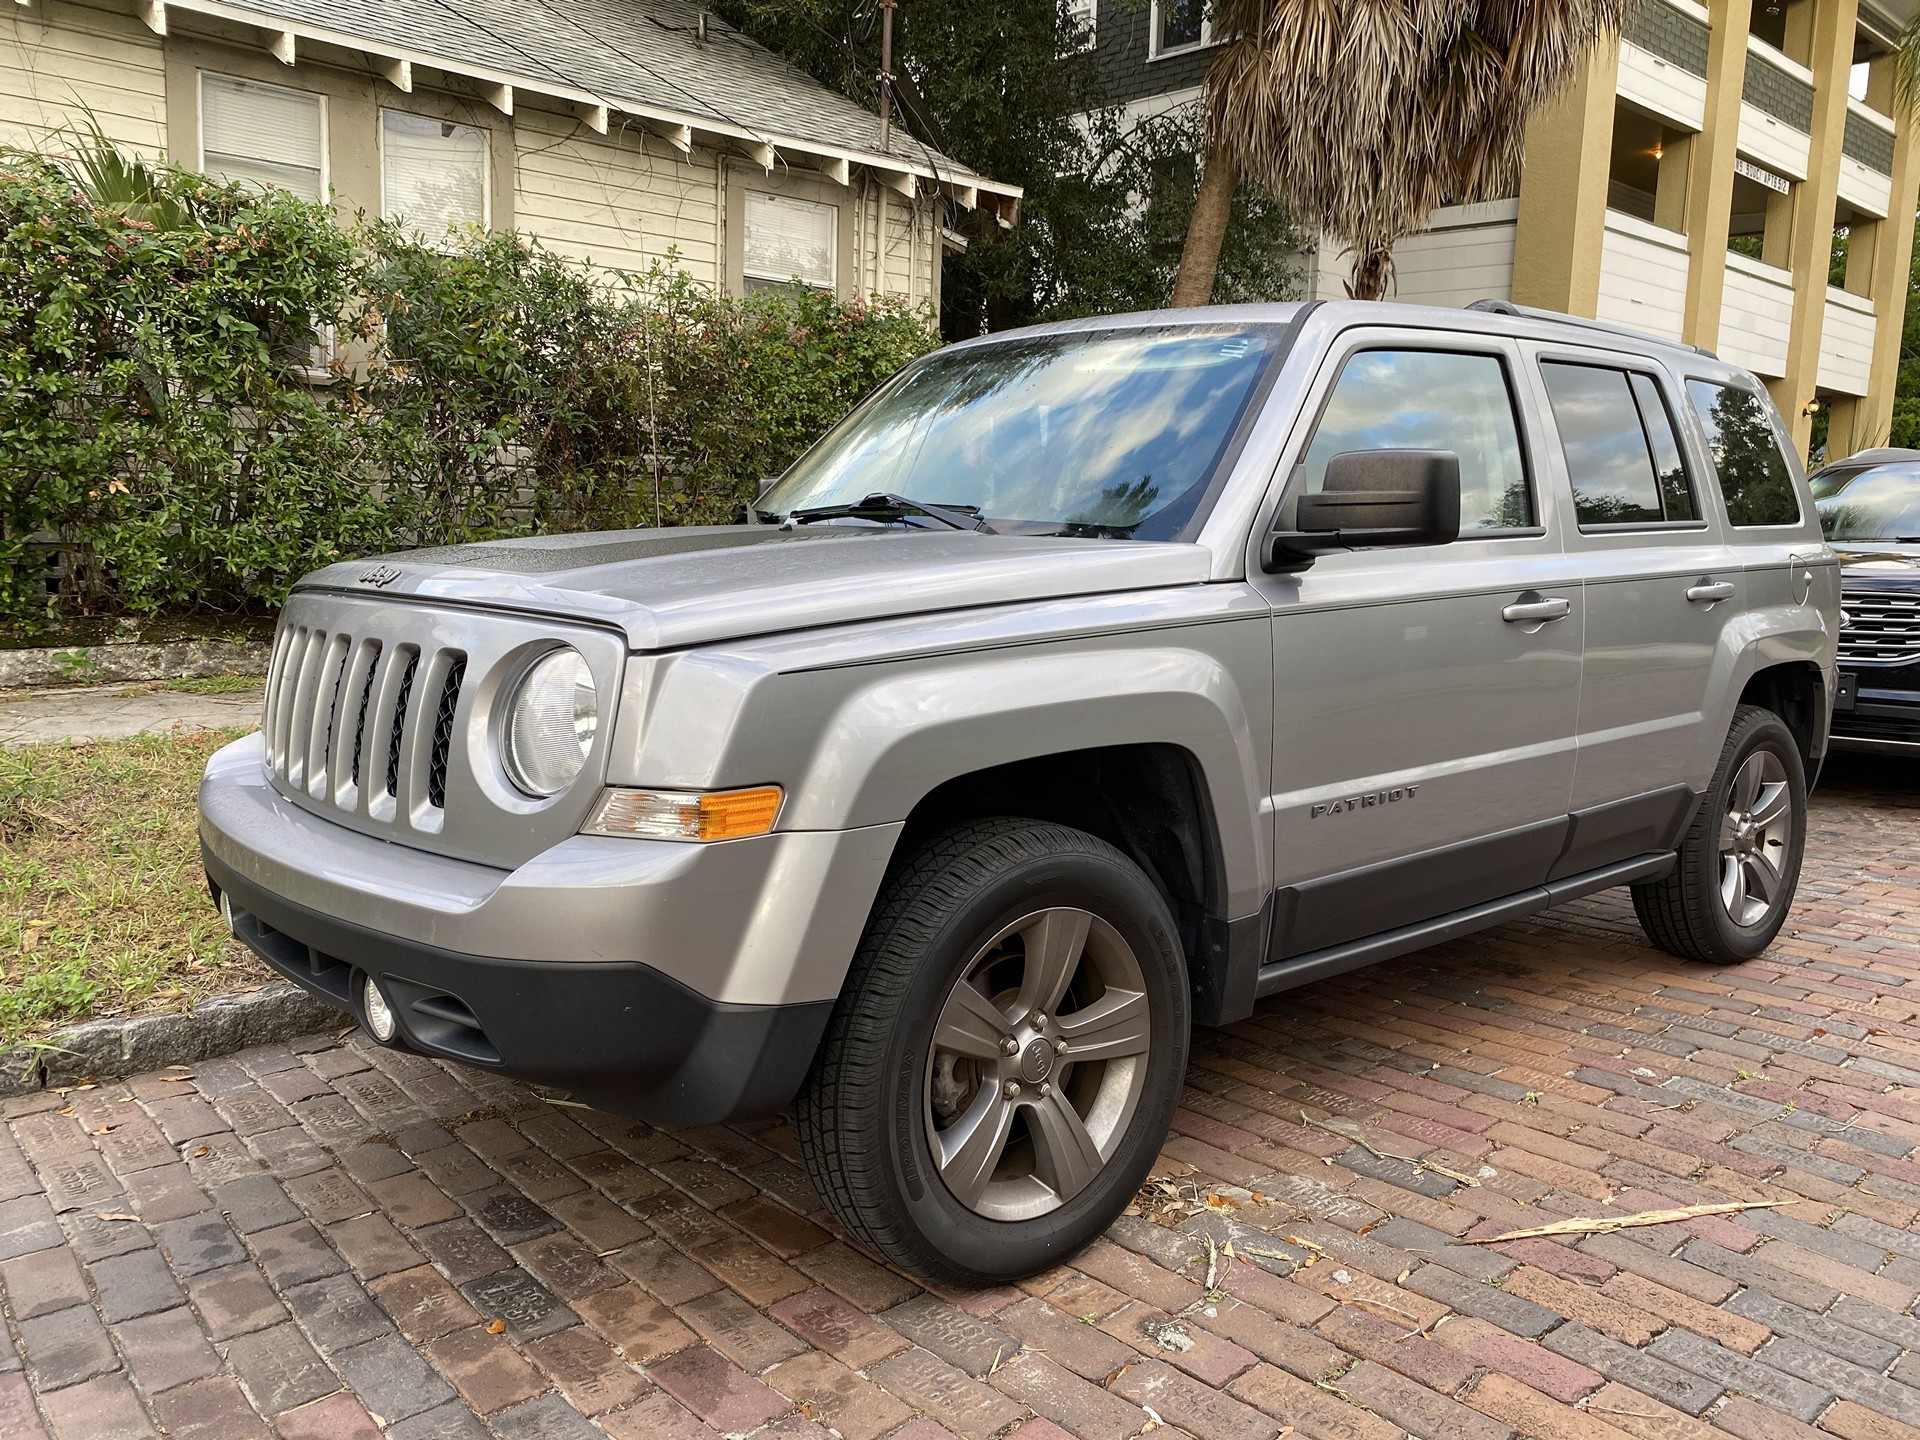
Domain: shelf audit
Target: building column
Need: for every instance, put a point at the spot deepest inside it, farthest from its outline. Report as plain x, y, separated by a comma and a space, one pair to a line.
1710, 181
1887, 276
1830, 57
1563, 191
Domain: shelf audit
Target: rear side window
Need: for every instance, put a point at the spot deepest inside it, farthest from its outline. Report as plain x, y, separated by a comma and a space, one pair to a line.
1431, 400
1621, 452
1755, 478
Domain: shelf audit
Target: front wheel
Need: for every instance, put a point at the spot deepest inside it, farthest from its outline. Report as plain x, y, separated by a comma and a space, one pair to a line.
1004, 1061
1730, 891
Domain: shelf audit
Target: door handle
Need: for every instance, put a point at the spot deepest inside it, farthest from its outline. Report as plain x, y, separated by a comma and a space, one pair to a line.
1709, 591
1529, 612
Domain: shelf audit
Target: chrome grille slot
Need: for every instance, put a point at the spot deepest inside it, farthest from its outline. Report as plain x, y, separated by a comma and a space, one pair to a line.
1881, 628
443, 732
310, 663
331, 670
350, 722
396, 730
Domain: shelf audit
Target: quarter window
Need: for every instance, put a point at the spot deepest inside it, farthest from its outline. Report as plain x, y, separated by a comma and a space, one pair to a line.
1431, 400
263, 134
789, 242
1755, 478
1619, 445
1081, 23
433, 173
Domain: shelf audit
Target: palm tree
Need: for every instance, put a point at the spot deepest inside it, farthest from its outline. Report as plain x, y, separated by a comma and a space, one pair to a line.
1365, 115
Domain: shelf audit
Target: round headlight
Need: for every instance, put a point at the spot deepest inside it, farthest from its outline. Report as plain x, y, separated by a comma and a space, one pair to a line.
551, 724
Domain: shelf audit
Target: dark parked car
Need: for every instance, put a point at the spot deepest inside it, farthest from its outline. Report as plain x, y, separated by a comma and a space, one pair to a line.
1870, 509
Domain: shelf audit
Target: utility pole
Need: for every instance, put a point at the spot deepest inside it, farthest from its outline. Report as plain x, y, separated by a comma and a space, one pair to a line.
886, 72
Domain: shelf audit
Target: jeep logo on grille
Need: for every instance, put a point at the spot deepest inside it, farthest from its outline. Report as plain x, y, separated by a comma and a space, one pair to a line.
380, 576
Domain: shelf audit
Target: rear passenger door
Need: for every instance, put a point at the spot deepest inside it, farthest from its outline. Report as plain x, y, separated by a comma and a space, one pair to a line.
1661, 585
1424, 699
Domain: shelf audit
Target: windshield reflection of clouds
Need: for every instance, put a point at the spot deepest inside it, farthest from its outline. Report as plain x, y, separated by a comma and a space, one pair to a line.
1119, 432
1875, 507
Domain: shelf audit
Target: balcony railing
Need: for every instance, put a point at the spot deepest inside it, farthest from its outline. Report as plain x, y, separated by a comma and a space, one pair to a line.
1756, 316
1846, 343
1643, 276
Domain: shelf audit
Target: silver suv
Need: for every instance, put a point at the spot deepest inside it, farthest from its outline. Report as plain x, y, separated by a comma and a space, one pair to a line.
1086, 683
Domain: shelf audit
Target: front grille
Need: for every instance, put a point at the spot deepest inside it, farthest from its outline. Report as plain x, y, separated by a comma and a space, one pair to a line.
443, 733
339, 705
1881, 628
374, 708
1851, 725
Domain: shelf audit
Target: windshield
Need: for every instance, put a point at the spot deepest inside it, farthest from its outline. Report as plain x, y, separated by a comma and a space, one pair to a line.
1113, 433
1875, 505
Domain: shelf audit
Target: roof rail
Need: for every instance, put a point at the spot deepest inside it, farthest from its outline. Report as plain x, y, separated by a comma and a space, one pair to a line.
1492, 306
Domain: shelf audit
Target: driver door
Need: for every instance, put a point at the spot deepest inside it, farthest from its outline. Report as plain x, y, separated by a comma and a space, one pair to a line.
1426, 699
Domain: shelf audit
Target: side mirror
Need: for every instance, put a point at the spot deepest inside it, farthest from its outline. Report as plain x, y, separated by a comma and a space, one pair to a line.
1372, 499
766, 485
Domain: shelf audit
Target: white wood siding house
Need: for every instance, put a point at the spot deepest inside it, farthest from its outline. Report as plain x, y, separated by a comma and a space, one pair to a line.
616, 131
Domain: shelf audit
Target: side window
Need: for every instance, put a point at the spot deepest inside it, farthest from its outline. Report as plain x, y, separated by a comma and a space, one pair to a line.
1431, 400
1618, 439
1755, 477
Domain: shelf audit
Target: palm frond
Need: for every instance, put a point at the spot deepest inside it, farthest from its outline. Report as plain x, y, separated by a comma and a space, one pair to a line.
1364, 116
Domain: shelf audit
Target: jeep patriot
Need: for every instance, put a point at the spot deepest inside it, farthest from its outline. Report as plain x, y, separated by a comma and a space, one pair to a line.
1086, 683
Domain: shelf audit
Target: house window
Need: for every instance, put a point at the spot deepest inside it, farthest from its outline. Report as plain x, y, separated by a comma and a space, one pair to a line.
433, 173
789, 242
263, 134
1180, 25
1080, 30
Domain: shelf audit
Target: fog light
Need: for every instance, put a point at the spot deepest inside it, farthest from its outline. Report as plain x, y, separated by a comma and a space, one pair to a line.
379, 1014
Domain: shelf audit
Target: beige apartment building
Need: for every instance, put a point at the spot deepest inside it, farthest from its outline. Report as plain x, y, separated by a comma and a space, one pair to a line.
1736, 175
1692, 184
615, 132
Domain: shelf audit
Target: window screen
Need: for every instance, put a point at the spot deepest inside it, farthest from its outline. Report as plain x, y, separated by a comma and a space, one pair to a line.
266, 134
790, 241
1755, 478
433, 173
1619, 444
1431, 400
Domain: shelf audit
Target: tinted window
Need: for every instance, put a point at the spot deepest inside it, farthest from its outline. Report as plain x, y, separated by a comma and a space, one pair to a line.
1676, 494
1754, 475
1431, 400
1621, 453
1111, 433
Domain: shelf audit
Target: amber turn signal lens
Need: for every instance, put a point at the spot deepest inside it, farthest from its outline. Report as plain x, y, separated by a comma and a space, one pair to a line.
685, 815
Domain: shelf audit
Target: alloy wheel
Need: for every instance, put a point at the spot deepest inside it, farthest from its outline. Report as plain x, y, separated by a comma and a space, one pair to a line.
1754, 837
1037, 1063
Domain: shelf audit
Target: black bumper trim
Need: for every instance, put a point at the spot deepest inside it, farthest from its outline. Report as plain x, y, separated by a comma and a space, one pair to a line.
617, 1034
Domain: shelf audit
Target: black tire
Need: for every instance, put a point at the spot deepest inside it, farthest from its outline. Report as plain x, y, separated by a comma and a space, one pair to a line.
866, 1114
1686, 914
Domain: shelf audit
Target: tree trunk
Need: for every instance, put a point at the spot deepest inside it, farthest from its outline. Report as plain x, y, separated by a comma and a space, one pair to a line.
1206, 230
1372, 270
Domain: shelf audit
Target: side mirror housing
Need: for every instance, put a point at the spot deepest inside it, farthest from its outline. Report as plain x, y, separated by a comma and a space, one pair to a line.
1372, 499
766, 485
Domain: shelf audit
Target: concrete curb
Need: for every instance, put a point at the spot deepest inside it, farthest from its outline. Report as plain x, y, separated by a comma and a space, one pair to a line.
134, 1046
120, 664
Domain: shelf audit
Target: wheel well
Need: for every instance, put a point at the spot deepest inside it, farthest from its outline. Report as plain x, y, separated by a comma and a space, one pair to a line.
1148, 801
1796, 692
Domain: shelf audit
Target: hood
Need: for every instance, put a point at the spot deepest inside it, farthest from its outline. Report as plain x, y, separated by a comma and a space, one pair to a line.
1879, 565
674, 588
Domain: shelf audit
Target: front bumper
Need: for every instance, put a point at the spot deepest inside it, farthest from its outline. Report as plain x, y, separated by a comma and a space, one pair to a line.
685, 984
1879, 710
623, 1037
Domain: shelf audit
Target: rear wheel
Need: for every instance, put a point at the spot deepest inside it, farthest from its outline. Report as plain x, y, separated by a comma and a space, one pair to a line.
1005, 1058
1730, 892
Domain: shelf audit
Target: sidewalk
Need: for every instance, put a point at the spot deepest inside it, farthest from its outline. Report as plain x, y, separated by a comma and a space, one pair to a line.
110, 712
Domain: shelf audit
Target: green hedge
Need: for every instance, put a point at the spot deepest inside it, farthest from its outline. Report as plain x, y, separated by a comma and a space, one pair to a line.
164, 444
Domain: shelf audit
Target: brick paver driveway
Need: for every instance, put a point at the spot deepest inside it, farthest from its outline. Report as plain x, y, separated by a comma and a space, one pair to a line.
322, 1240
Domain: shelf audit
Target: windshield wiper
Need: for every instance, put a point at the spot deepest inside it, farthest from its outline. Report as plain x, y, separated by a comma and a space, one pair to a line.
884, 505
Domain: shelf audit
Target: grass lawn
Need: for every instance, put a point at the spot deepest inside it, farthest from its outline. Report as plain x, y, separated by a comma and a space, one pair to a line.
103, 906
